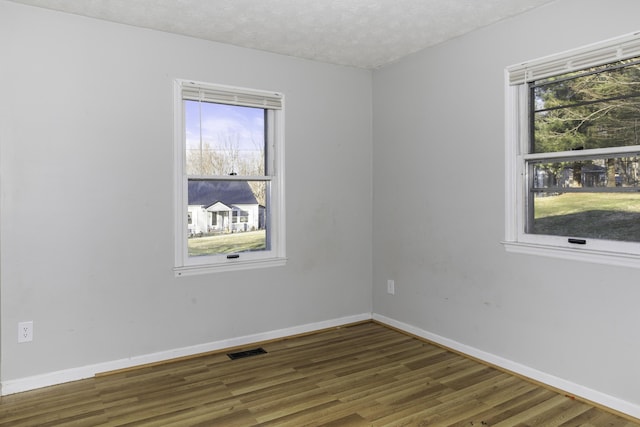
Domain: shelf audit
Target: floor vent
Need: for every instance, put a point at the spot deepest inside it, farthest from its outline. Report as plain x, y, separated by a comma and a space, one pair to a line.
246, 353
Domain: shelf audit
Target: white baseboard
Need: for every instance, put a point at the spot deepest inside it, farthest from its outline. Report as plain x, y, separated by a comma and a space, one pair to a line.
569, 387
74, 374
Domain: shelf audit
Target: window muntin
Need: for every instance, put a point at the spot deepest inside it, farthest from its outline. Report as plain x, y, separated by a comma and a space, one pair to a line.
229, 176
573, 143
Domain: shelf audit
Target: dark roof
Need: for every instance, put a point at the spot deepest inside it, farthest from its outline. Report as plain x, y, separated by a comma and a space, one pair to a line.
592, 168
206, 193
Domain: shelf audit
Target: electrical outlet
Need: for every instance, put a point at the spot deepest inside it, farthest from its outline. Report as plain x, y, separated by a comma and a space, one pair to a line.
25, 331
391, 287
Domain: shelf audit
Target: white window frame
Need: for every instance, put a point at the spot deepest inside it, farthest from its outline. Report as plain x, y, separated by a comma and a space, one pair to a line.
274, 103
517, 78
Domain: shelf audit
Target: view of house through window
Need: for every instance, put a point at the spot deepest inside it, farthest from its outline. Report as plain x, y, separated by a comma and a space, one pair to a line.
229, 178
228, 194
583, 167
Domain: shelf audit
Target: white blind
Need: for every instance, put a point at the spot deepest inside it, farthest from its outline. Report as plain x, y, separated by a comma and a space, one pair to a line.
233, 96
589, 56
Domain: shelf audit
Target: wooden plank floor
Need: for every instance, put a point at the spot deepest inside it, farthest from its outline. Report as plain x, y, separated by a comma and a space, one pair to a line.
361, 375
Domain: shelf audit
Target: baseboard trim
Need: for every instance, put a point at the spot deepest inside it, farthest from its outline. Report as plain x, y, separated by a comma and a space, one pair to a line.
59, 377
623, 407
75, 374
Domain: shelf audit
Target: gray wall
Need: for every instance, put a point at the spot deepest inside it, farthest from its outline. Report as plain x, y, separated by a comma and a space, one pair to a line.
439, 210
86, 200
86, 134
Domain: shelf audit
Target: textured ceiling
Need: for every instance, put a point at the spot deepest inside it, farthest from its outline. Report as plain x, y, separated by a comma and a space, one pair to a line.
359, 33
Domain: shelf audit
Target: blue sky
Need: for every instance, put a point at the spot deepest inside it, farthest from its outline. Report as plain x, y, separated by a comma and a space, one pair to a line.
222, 123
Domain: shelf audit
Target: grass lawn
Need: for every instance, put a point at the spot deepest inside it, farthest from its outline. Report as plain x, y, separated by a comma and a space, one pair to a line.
227, 243
613, 216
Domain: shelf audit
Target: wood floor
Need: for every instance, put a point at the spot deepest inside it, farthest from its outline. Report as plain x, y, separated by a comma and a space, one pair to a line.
361, 375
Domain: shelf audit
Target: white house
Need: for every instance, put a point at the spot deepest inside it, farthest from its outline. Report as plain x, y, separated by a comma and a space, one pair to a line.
222, 207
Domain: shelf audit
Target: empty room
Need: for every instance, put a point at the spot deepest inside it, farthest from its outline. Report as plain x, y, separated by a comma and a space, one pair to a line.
358, 212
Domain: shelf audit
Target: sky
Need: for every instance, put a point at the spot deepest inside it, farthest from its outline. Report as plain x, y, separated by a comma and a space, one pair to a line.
221, 124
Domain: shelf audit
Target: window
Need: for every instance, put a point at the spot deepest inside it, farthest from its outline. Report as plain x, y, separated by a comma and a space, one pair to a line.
229, 175
573, 154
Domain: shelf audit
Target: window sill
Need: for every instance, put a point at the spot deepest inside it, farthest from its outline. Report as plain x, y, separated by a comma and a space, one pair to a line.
587, 255
194, 270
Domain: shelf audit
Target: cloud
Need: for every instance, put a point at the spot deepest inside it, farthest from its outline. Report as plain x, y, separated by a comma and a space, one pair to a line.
220, 125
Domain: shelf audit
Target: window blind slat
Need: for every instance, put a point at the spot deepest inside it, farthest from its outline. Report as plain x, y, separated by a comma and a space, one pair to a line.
590, 56
198, 92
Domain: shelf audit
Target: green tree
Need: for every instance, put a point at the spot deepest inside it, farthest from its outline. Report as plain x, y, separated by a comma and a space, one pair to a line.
594, 108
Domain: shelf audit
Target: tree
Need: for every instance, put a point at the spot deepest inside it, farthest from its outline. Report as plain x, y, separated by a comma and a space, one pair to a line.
594, 108
226, 157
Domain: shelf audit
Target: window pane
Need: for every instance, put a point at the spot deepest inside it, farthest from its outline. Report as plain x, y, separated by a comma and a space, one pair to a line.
224, 139
227, 217
610, 216
621, 173
595, 198
590, 109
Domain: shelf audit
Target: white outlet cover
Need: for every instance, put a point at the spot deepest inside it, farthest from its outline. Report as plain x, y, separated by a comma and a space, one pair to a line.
391, 287
25, 332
